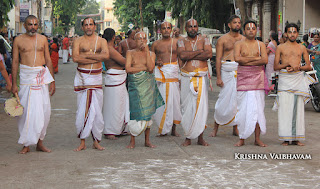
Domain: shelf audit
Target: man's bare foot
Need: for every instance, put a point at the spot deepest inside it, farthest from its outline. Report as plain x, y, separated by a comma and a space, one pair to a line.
285, 143
97, 146
215, 130
240, 143
42, 148
187, 142
260, 143
81, 147
298, 143
111, 137
175, 133
202, 142
131, 145
213, 133
25, 150
148, 144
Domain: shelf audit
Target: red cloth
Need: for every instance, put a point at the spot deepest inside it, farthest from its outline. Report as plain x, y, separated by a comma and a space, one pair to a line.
65, 43
54, 56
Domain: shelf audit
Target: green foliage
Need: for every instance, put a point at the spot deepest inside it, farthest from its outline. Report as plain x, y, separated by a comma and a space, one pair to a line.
66, 11
208, 13
91, 7
127, 11
6, 6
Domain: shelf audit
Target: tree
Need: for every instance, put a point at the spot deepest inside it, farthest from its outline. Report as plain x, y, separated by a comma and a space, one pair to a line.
240, 4
128, 11
208, 13
66, 11
6, 6
91, 7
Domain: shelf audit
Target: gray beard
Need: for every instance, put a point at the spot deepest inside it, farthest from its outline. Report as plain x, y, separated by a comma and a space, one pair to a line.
31, 34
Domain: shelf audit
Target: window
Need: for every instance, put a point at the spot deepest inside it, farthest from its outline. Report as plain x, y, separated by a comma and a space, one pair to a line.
108, 24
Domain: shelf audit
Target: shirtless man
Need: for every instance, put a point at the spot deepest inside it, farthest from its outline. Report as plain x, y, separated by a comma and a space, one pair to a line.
176, 33
251, 55
88, 52
36, 73
127, 44
167, 77
226, 67
194, 51
115, 98
293, 87
144, 95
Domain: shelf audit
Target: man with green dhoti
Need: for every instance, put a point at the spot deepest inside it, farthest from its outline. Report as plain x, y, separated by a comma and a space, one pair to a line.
144, 96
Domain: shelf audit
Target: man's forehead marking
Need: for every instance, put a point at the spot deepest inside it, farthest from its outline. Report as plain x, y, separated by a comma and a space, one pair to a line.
292, 29
192, 21
251, 25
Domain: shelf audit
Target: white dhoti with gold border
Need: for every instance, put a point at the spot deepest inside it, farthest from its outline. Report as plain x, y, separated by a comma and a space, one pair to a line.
35, 98
226, 105
167, 78
194, 102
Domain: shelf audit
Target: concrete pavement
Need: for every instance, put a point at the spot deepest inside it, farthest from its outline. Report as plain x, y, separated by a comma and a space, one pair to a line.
169, 165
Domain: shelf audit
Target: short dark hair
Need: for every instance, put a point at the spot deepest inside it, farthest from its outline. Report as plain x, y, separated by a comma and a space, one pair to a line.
247, 22
108, 34
94, 23
316, 34
30, 17
55, 40
274, 36
232, 17
137, 27
305, 37
290, 26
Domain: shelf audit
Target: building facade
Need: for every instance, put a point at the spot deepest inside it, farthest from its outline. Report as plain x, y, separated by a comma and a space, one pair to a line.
108, 17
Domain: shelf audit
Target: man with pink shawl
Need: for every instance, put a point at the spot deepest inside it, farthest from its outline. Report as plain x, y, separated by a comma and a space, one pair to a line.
251, 85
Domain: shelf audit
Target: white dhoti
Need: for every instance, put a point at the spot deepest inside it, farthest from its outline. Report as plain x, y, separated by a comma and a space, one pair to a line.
293, 93
65, 55
89, 118
115, 102
226, 105
35, 99
250, 112
194, 102
168, 84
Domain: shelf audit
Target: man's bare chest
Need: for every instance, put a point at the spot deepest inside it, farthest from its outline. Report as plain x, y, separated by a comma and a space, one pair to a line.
291, 53
89, 47
26, 49
193, 45
139, 58
164, 49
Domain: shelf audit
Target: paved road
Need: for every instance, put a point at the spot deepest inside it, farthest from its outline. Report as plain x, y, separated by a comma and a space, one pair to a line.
167, 166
